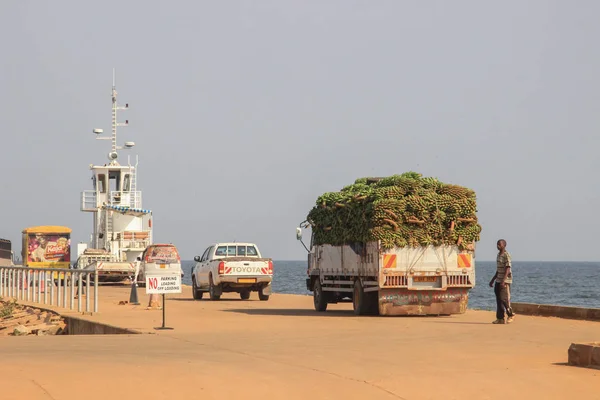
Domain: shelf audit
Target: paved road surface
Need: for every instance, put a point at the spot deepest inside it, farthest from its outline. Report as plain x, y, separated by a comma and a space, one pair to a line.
282, 349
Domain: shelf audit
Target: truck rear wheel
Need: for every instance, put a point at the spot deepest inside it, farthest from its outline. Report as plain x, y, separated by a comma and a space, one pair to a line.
360, 301
245, 294
262, 296
212, 289
373, 303
319, 298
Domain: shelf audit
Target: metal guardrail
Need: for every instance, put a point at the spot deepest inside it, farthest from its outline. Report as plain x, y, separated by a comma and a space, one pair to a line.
33, 284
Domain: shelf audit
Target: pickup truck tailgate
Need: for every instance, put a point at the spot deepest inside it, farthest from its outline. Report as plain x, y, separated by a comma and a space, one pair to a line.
247, 268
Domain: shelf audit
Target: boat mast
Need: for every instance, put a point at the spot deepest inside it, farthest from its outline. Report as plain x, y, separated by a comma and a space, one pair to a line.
113, 155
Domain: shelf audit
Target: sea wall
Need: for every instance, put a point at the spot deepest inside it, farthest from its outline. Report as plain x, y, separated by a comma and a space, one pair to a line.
547, 310
79, 326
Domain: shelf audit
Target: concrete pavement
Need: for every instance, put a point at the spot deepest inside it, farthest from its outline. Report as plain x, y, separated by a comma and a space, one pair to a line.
284, 349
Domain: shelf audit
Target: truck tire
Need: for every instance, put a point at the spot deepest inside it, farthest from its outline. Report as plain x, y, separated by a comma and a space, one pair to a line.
245, 294
373, 307
261, 296
212, 289
196, 293
360, 301
319, 298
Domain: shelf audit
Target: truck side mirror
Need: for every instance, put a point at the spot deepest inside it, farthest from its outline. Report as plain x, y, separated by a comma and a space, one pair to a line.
298, 233
197, 258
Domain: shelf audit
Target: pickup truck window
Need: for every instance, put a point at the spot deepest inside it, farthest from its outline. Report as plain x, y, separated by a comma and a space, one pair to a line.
204, 255
248, 251
232, 251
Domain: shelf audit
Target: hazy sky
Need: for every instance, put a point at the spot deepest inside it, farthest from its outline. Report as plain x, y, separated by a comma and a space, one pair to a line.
243, 112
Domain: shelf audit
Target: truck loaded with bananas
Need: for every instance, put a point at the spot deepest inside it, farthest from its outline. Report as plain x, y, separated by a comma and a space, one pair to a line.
399, 245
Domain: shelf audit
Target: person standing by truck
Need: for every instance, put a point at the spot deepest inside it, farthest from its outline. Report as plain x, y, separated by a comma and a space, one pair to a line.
501, 283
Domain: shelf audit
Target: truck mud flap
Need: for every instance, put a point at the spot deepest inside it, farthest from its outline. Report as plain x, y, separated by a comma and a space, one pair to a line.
267, 290
423, 302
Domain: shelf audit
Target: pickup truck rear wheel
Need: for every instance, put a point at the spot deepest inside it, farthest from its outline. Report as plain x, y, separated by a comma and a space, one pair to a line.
195, 292
261, 296
245, 294
319, 298
212, 289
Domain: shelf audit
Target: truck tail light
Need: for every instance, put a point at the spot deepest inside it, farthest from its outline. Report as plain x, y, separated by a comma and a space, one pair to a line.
270, 267
221, 268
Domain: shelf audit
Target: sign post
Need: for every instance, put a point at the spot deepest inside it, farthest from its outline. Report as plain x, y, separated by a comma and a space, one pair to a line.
163, 284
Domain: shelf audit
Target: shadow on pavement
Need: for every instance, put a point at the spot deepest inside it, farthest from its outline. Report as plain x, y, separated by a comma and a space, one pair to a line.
447, 321
290, 312
441, 319
206, 300
562, 364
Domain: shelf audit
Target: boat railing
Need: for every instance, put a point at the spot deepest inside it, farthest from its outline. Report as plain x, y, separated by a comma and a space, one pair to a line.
131, 199
88, 200
50, 286
133, 239
126, 199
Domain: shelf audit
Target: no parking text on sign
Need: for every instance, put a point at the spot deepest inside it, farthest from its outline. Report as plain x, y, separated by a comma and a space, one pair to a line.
163, 284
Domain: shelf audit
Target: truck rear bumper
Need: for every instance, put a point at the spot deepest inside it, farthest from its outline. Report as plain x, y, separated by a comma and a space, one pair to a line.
243, 280
238, 284
423, 302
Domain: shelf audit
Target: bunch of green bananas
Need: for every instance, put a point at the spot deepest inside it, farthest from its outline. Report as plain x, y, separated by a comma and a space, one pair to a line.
400, 210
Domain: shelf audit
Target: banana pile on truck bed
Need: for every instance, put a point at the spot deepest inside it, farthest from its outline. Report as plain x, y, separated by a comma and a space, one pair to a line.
406, 210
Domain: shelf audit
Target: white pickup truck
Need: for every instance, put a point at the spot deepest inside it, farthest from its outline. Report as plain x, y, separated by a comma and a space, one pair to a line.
232, 267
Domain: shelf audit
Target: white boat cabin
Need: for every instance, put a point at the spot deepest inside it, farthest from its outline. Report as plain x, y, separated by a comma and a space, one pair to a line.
121, 226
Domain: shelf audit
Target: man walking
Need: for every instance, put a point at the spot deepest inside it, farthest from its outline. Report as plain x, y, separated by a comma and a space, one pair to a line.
503, 280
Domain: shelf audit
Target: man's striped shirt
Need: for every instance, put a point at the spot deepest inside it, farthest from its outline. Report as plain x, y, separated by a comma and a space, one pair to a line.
502, 262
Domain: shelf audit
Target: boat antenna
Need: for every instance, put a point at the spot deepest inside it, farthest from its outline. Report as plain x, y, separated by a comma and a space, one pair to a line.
112, 156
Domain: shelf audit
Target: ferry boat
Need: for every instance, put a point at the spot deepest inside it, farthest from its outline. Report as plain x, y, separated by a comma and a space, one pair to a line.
122, 228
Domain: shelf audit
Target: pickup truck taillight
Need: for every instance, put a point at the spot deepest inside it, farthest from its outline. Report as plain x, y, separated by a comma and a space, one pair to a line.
221, 268
270, 267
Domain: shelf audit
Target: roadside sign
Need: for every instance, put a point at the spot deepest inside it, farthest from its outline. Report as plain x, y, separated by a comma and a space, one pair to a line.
163, 284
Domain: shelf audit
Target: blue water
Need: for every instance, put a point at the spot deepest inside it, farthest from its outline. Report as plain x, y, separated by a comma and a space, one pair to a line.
560, 283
